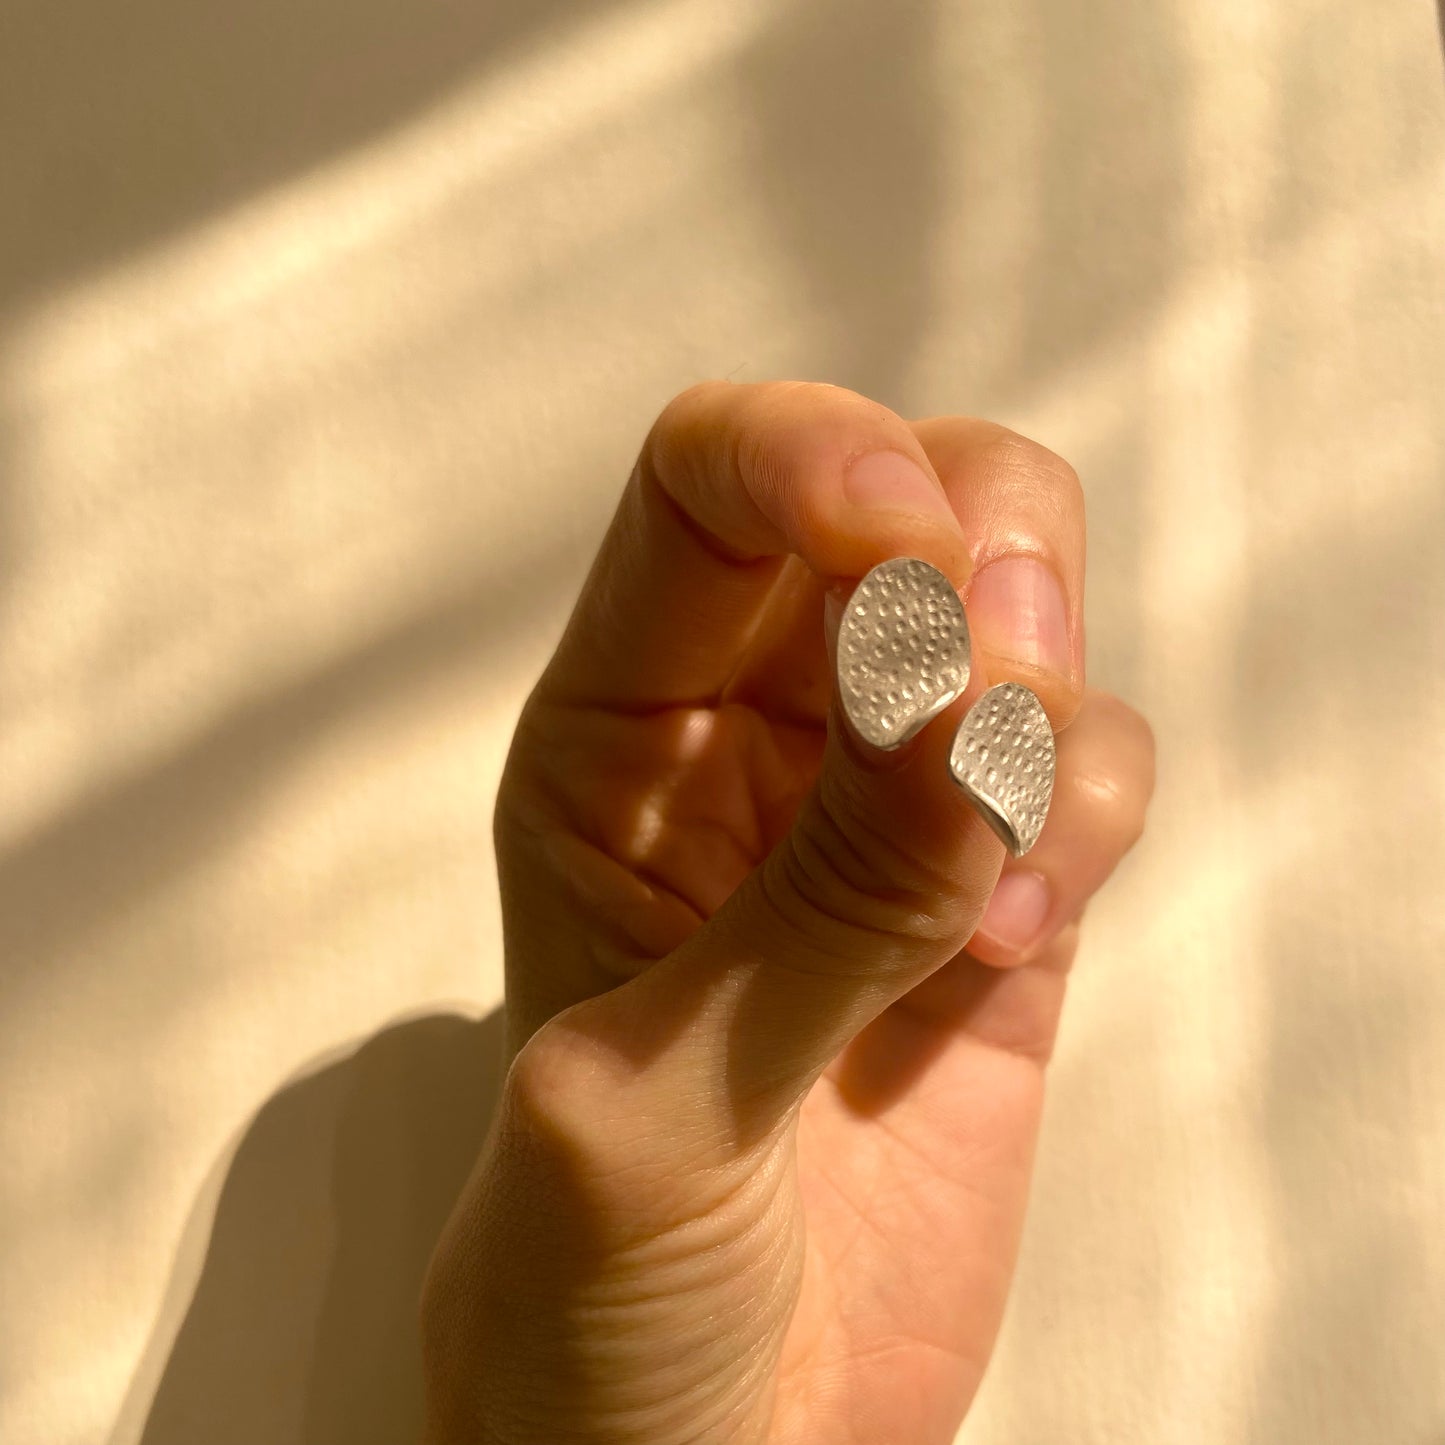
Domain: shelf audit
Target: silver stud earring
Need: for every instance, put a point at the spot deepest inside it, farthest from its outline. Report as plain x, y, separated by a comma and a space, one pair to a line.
1003, 759
904, 655
903, 651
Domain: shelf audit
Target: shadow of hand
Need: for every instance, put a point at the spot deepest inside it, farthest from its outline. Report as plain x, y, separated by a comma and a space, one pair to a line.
303, 1325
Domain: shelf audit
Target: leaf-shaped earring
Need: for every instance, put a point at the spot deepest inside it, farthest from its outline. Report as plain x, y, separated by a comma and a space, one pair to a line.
904, 654
1003, 759
903, 651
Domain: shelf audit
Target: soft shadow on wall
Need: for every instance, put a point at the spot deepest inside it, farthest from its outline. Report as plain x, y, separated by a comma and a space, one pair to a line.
303, 1324
122, 124
119, 129
847, 149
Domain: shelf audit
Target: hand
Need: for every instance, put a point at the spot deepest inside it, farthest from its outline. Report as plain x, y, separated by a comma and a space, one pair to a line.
760, 1164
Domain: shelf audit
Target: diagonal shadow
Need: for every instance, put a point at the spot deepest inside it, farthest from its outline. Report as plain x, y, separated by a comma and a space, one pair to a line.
847, 143
117, 845
121, 124
302, 1326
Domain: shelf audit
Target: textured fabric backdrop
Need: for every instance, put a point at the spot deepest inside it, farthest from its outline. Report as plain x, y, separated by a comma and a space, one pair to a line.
328, 331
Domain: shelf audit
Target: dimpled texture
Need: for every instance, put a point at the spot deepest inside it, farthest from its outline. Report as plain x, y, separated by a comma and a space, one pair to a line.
1003, 758
903, 651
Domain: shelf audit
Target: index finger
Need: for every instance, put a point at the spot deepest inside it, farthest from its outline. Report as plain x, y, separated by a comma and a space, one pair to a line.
731, 480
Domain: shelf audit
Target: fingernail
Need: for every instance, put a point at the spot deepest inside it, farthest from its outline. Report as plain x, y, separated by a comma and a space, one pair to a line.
892, 482
1016, 610
1015, 914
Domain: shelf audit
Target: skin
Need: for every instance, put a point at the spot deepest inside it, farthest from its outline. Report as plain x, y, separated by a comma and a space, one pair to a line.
761, 1160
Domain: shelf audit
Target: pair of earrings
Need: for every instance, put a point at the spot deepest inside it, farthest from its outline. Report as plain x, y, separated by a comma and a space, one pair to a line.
904, 654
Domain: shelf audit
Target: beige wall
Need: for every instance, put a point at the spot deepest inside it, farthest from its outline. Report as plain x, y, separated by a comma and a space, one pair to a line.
329, 330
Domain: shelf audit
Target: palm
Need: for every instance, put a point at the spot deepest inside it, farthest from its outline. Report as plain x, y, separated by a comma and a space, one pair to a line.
912, 1151
908, 1256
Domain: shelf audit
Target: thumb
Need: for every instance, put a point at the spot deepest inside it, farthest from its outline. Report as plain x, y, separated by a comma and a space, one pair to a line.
881, 880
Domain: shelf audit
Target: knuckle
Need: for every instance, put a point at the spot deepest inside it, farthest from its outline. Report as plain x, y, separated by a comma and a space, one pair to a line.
845, 882
792, 426
596, 1131
1019, 458
542, 1072
555, 1090
759, 429
1114, 786
679, 426
769, 434
810, 400
1115, 806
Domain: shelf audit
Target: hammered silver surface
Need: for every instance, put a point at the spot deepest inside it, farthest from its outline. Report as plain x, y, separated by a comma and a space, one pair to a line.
903, 651
1003, 758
